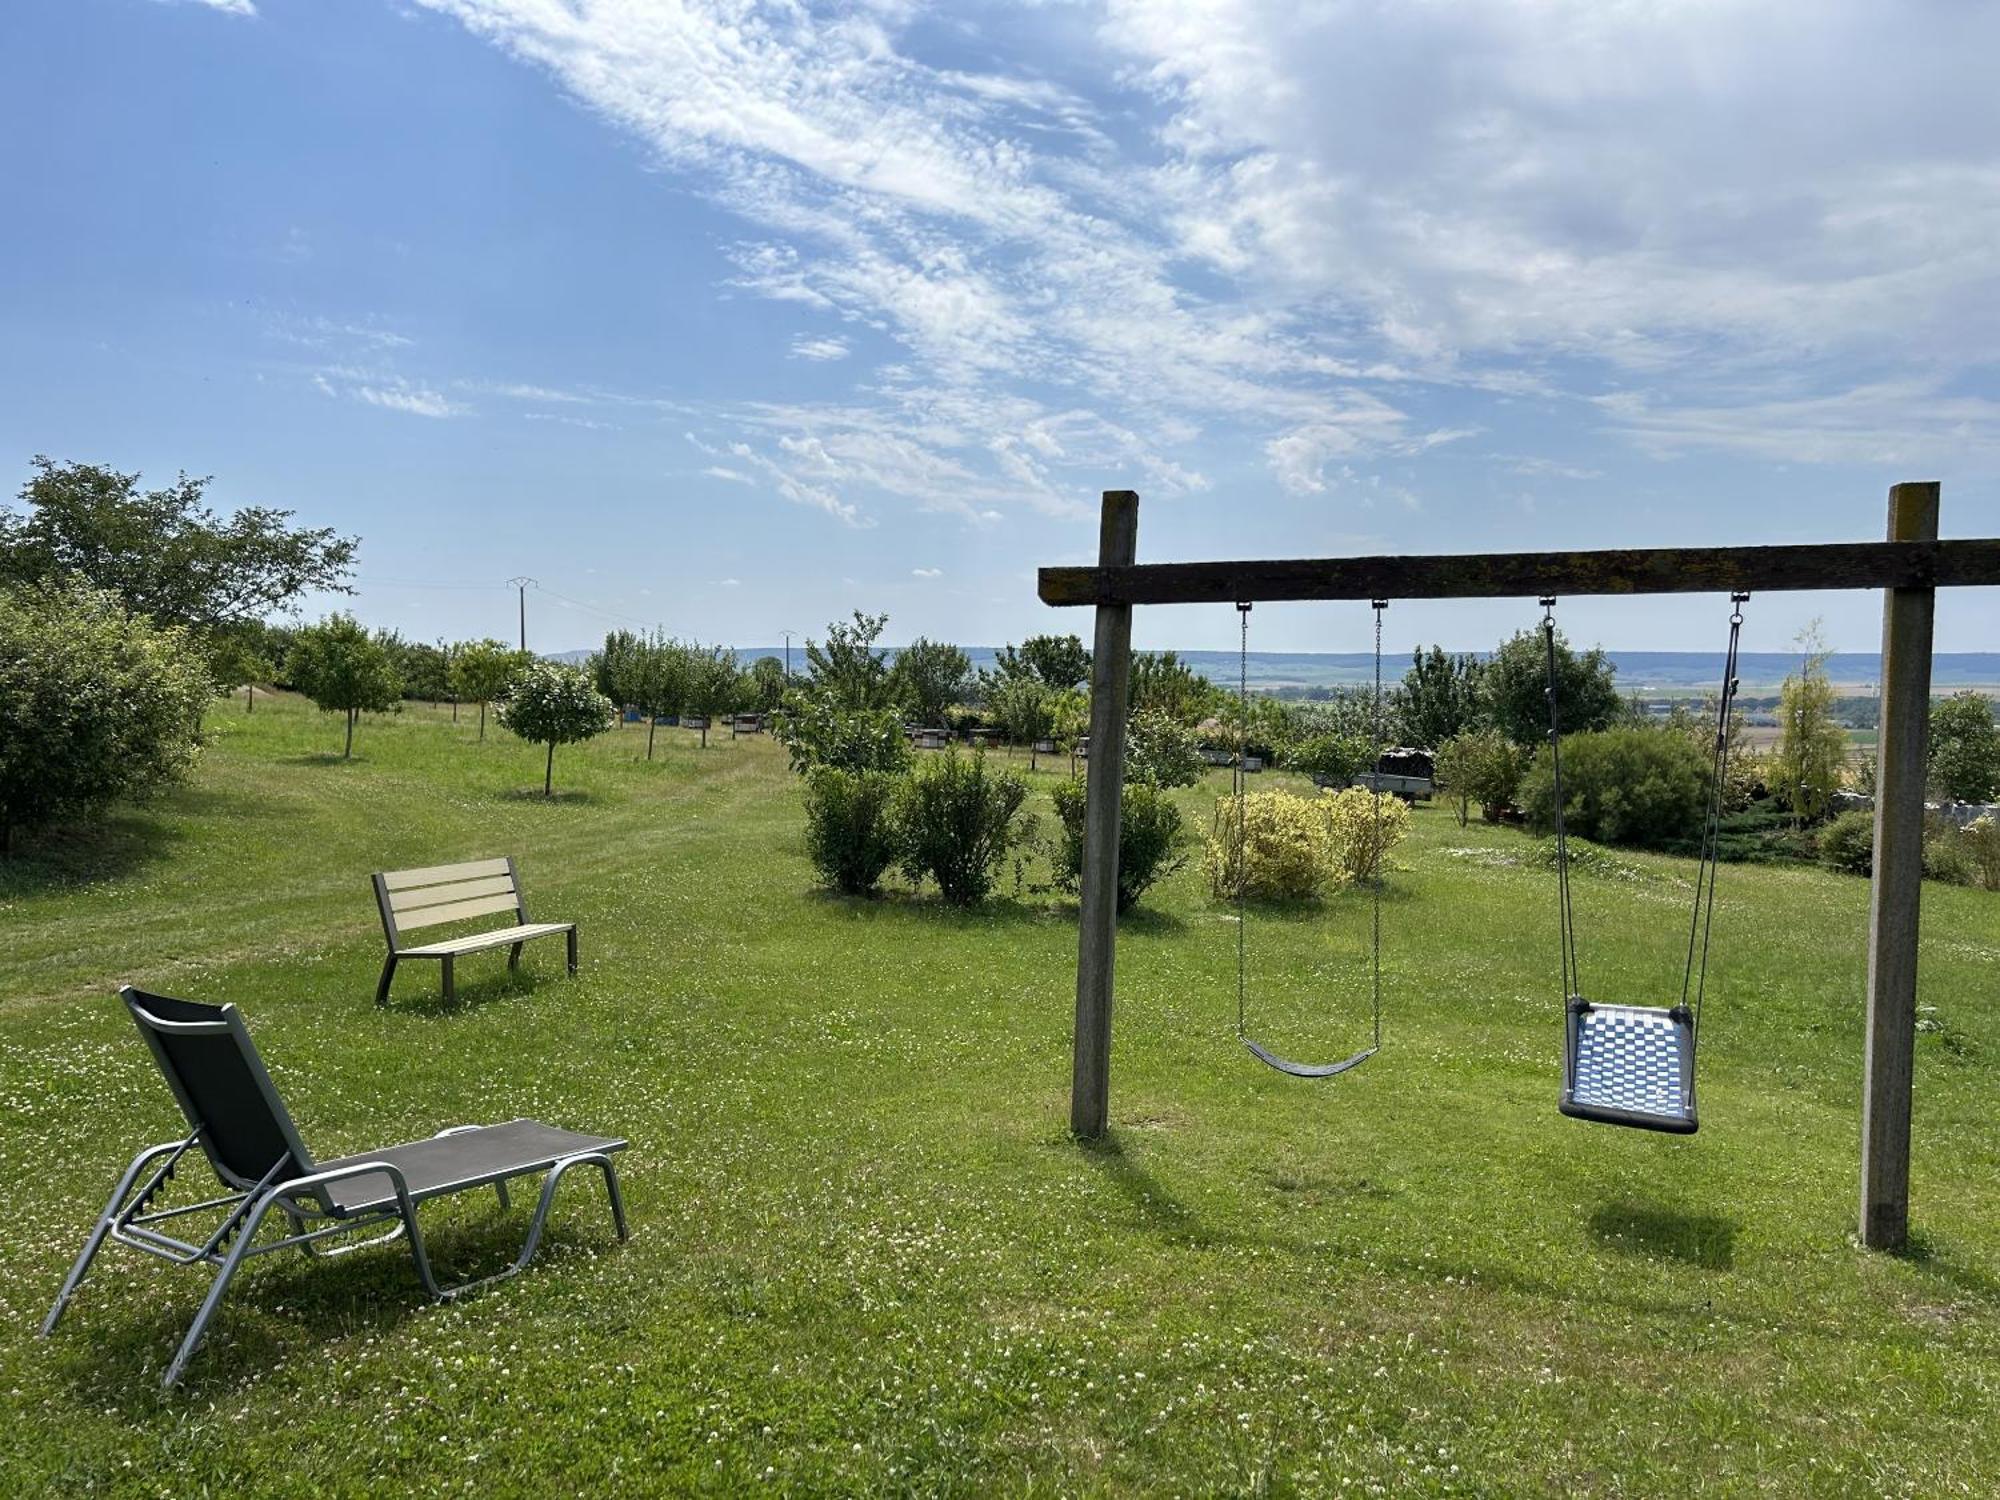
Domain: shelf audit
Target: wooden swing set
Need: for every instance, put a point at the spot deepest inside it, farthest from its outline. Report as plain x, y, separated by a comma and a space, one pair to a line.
1911, 565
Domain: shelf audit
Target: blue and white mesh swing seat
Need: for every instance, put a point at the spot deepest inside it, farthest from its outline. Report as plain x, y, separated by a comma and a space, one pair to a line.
1634, 1064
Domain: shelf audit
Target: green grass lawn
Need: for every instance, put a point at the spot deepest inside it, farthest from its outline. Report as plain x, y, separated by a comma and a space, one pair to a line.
865, 1255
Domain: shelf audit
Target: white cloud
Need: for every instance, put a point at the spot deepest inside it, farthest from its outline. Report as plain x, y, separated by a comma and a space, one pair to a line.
734, 476
227, 7
819, 349
1293, 225
729, 583
390, 392
927, 572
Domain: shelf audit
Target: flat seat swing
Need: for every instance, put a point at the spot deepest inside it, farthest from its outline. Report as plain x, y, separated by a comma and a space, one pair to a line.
1256, 1049
1634, 1065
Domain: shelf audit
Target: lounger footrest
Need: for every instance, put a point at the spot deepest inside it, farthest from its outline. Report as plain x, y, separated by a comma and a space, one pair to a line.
502, 937
465, 1159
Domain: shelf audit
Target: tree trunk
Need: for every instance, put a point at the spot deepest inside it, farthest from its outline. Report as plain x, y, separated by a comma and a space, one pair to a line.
482, 721
549, 775
348, 753
249, 698
652, 724
704, 734
454, 708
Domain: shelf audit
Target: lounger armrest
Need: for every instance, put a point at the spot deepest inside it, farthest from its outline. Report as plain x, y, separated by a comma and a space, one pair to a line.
283, 1191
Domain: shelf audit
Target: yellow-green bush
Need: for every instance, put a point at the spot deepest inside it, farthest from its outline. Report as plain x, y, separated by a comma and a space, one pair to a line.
1362, 827
1982, 839
1290, 848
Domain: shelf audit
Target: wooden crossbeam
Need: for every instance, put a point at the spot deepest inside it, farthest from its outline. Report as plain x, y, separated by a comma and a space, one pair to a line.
1489, 575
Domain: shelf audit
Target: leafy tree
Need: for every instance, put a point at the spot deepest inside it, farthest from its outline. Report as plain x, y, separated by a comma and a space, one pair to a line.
1517, 680
847, 667
1805, 768
552, 705
237, 658
713, 683
163, 551
343, 669
1161, 751
1161, 681
816, 731
1480, 766
1330, 759
1069, 718
764, 687
1442, 695
482, 671
1024, 708
1056, 661
618, 670
1965, 748
424, 668
928, 678
660, 682
96, 704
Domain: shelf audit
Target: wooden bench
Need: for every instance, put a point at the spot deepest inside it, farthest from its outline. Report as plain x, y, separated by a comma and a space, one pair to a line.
454, 893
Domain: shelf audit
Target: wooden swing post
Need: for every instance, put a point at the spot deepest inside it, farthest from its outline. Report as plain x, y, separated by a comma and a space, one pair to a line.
1911, 565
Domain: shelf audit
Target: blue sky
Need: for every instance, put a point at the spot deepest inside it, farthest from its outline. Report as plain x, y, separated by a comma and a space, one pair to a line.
733, 317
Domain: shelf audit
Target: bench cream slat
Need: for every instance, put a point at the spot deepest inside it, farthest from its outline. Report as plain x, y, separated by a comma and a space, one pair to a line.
398, 880
499, 938
430, 916
417, 899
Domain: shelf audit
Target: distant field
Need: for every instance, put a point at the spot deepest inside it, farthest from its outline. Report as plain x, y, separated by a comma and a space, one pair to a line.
866, 1257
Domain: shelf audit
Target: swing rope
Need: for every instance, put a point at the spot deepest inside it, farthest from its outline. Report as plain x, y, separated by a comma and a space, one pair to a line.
1240, 787
1709, 867
1571, 983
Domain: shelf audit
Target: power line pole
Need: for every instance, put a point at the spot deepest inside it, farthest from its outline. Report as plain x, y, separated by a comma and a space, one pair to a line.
523, 585
788, 653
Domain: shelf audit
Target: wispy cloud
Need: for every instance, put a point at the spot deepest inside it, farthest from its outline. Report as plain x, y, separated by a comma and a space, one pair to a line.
227, 7
927, 572
391, 394
734, 476
819, 349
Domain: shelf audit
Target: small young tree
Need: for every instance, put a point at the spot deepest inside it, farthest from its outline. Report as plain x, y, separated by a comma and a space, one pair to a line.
1161, 751
482, 671
1024, 708
1164, 683
1483, 767
764, 687
553, 705
713, 683
928, 678
344, 670
1805, 768
236, 659
95, 704
660, 684
424, 668
1964, 748
1442, 695
1517, 681
847, 668
618, 670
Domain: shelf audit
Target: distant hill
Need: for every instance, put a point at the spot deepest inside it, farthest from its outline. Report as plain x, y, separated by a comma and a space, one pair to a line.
1638, 671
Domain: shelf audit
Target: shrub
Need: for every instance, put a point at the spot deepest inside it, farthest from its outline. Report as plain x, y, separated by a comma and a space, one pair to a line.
954, 822
1946, 858
555, 705
1647, 787
1023, 707
1277, 852
816, 729
1151, 844
482, 672
1847, 843
1330, 759
344, 670
95, 704
1982, 843
1362, 827
1161, 751
848, 832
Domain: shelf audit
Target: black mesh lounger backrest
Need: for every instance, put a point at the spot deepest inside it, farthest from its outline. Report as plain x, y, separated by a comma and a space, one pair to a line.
213, 1068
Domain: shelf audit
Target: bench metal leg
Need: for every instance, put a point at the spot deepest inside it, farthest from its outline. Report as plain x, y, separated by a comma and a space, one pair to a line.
388, 973
450, 987
514, 955
571, 937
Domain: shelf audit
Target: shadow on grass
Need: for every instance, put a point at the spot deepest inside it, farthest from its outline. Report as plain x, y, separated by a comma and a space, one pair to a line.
902, 904
419, 988
125, 840
1157, 1208
285, 1308
533, 795
1927, 1255
1706, 1240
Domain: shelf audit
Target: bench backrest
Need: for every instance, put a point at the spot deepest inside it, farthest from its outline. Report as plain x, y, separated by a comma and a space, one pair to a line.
447, 893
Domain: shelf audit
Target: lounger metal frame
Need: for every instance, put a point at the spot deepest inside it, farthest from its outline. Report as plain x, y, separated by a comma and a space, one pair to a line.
293, 1188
